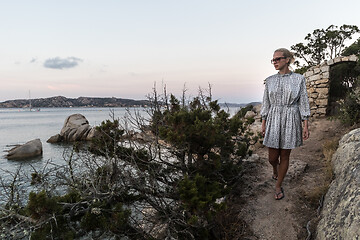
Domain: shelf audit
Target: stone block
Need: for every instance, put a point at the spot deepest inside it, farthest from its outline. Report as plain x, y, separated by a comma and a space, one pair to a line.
325, 75
344, 59
308, 73
322, 91
314, 95
311, 90
315, 77
323, 85
353, 58
324, 80
321, 102
321, 110
323, 96
324, 63
325, 68
337, 59
331, 62
316, 70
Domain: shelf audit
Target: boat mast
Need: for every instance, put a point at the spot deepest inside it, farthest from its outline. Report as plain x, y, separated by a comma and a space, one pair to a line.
29, 101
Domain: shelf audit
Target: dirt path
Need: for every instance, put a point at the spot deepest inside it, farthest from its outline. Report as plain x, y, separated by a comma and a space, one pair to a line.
267, 218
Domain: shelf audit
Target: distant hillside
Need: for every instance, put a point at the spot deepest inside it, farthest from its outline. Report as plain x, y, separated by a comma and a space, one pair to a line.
61, 101
239, 105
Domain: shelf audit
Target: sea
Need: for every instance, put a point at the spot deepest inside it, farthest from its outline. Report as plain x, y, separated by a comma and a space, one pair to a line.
18, 126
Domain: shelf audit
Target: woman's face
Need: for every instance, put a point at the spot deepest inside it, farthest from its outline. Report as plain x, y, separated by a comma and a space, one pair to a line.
279, 61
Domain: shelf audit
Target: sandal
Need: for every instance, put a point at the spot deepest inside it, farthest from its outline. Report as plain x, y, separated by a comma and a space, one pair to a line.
274, 177
277, 195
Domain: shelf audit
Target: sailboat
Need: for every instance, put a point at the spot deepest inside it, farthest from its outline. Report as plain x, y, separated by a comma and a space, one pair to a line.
31, 109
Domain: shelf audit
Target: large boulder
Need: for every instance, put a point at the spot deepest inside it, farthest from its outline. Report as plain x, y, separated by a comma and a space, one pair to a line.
30, 149
76, 128
340, 217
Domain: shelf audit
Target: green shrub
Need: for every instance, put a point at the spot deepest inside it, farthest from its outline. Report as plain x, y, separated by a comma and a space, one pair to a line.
350, 106
40, 205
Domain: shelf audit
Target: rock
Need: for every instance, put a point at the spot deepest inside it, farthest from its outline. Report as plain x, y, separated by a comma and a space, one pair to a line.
30, 149
296, 169
340, 217
257, 108
250, 114
253, 158
255, 127
92, 134
54, 139
76, 128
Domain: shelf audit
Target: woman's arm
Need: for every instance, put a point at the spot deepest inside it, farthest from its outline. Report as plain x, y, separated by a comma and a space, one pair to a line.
263, 127
306, 133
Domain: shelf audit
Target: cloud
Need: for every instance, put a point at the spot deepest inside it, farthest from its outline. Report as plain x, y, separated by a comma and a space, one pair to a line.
60, 63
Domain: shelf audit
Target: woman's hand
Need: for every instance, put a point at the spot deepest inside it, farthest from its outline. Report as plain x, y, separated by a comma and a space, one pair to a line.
263, 127
306, 133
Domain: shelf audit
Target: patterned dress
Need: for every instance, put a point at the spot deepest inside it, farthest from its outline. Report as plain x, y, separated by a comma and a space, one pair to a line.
285, 105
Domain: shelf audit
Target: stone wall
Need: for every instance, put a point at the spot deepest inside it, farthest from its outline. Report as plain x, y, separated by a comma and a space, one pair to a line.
318, 84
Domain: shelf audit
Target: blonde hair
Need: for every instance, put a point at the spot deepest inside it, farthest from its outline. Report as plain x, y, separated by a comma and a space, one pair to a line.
286, 53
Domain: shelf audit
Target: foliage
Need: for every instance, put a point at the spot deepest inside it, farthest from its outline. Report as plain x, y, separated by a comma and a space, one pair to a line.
350, 106
171, 182
302, 70
40, 205
353, 49
343, 78
322, 44
109, 135
202, 137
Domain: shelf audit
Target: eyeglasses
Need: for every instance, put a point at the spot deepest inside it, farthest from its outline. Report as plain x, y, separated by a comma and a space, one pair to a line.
274, 60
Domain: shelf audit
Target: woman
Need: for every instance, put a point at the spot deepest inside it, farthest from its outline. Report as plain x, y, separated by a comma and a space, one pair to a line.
285, 106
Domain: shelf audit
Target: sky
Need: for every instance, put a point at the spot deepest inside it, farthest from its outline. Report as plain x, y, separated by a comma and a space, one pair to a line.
118, 48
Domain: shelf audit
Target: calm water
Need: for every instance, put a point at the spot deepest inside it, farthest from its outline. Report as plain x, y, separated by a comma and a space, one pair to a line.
18, 126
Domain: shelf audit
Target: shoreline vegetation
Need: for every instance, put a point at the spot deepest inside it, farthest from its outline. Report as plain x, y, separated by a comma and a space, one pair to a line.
64, 102
172, 185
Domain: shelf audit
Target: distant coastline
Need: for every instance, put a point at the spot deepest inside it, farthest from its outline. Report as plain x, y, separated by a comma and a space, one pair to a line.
64, 102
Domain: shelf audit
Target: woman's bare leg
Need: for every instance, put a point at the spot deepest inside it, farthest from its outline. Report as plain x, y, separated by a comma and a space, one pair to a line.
274, 155
283, 167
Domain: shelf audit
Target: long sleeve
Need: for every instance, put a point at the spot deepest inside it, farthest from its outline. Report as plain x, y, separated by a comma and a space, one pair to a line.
304, 101
265, 107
